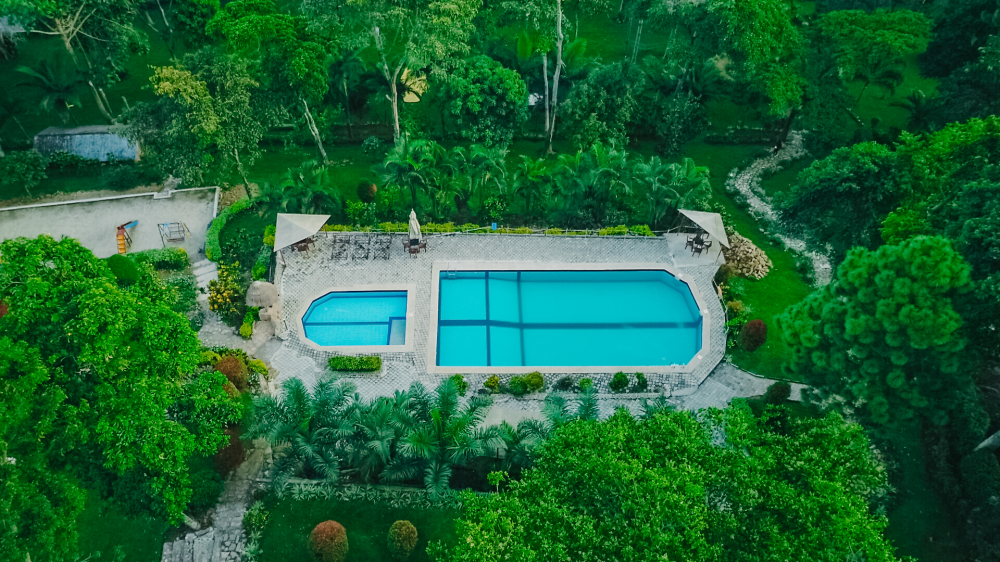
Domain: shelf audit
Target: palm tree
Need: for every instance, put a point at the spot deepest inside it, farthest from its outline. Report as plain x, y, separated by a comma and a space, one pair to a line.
589, 182
441, 436
304, 190
397, 169
557, 410
923, 111
378, 427
671, 187
345, 73
308, 431
59, 85
886, 74
531, 180
520, 443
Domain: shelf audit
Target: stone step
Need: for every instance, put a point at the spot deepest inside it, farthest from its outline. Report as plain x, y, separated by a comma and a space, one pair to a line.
205, 278
205, 269
168, 550
202, 263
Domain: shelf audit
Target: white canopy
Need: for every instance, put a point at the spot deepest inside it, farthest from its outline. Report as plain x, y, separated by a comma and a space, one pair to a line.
711, 222
293, 228
414, 226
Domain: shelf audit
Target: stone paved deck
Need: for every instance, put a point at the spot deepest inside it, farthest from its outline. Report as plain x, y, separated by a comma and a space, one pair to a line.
304, 276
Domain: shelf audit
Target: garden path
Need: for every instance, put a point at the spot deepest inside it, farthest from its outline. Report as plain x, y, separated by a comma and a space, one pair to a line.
761, 207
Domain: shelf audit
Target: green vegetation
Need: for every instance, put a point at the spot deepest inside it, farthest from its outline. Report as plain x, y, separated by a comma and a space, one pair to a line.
350, 363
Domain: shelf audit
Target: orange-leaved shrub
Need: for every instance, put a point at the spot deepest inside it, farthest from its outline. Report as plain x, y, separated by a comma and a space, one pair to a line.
235, 370
753, 335
402, 539
328, 542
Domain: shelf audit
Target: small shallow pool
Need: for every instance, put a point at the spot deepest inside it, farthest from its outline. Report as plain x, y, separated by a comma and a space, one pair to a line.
566, 319
359, 318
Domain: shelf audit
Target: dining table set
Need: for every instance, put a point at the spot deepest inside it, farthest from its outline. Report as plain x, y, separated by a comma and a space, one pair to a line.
698, 243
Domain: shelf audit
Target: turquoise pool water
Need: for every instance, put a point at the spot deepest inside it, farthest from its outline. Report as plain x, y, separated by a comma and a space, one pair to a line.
565, 318
357, 318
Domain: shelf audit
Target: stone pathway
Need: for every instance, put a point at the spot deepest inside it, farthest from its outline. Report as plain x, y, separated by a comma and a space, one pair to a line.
747, 183
205, 271
224, 540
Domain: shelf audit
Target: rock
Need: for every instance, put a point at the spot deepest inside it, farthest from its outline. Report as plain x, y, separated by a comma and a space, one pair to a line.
747, 259
191, 522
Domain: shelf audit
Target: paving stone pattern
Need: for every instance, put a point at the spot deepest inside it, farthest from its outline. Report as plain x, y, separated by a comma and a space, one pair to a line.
305, 275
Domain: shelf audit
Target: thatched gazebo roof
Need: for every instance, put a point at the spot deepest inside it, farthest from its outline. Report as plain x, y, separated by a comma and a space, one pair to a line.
262, 294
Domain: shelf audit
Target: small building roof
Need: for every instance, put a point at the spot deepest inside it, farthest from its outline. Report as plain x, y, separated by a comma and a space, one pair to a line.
291, 228
711, 222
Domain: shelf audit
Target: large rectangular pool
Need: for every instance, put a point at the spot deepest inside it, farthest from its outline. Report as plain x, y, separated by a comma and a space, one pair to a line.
357, 319
565, 318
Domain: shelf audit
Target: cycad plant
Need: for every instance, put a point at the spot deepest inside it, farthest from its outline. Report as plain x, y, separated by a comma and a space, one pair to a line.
60, 86
309, 431
558, 411
442, 435
520, 443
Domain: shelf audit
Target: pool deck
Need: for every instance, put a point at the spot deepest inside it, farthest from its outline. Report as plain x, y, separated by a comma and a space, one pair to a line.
302, 276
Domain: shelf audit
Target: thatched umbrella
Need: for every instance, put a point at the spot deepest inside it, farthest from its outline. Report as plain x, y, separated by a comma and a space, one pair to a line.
262, 294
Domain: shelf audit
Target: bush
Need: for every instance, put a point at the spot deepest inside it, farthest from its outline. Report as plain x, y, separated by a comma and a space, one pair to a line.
641, 384
460, 384
492, 383
246, 330
619, 382
778, 393
125, 176
364, 363
753, 335
613, 231
233, 454
269, 235
517, 386
173, 259
255, 518
565, 383
235, 371
257, 366
206, 487
213, 250
208, 357
402, 539
328, 542
259, 270
535, 381
124, 270
366, 191
23, 169
586, 384
641, 230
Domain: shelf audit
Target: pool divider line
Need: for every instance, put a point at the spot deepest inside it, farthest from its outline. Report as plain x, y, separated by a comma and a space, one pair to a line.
486, 283
520, 318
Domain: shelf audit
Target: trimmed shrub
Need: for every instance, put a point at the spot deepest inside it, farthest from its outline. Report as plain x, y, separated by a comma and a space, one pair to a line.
492, 383
235, 371
213, 250
565, 383
460, 384
255, 518
535, 381
641, 384
246, 330
173, 259
208, 357
619, 382
365, 363
778, 393
517, 386
124, 270
586, 383
621, 230
257, 366
230, 389
366, 191
402, 539
328, 542
753, 335
206, 487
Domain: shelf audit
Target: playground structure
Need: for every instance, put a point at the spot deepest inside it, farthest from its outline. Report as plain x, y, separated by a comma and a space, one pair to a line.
124, 240
173, 232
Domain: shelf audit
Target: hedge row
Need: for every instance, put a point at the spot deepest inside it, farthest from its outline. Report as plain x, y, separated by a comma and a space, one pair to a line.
366, 363
213, 250
435, 228
174, 259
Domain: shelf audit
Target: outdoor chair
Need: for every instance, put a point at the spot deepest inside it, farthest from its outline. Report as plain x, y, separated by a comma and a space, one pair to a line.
706, 245
362, 246
382, 243
414, 250
341, 247
303, 245
697, 249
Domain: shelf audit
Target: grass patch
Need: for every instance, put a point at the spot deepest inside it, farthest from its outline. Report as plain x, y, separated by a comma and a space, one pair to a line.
104, 532
242, 238
286, 537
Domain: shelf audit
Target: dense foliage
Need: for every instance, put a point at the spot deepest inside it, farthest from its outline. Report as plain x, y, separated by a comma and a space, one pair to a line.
721, 485
351, 363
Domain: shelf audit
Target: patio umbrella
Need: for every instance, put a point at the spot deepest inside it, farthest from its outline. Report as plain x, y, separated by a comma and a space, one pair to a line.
711, 222
290, 229
262, 294
414, 226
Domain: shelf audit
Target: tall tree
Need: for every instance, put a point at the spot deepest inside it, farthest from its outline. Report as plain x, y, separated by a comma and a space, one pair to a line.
604, 107
883, 338
488, 102
721, 485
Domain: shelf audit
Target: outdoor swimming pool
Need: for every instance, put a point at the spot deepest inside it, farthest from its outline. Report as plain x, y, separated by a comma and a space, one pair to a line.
565, 318
357, 318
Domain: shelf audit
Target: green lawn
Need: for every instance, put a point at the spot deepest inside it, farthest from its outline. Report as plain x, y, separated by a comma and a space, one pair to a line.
286, 537
104, 531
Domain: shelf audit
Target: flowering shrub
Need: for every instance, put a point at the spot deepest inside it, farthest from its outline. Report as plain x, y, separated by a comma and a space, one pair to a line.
328, 541
402, 539
225, 295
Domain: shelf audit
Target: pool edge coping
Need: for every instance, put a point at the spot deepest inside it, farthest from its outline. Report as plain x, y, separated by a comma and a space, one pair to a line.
447, 265
408, 347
